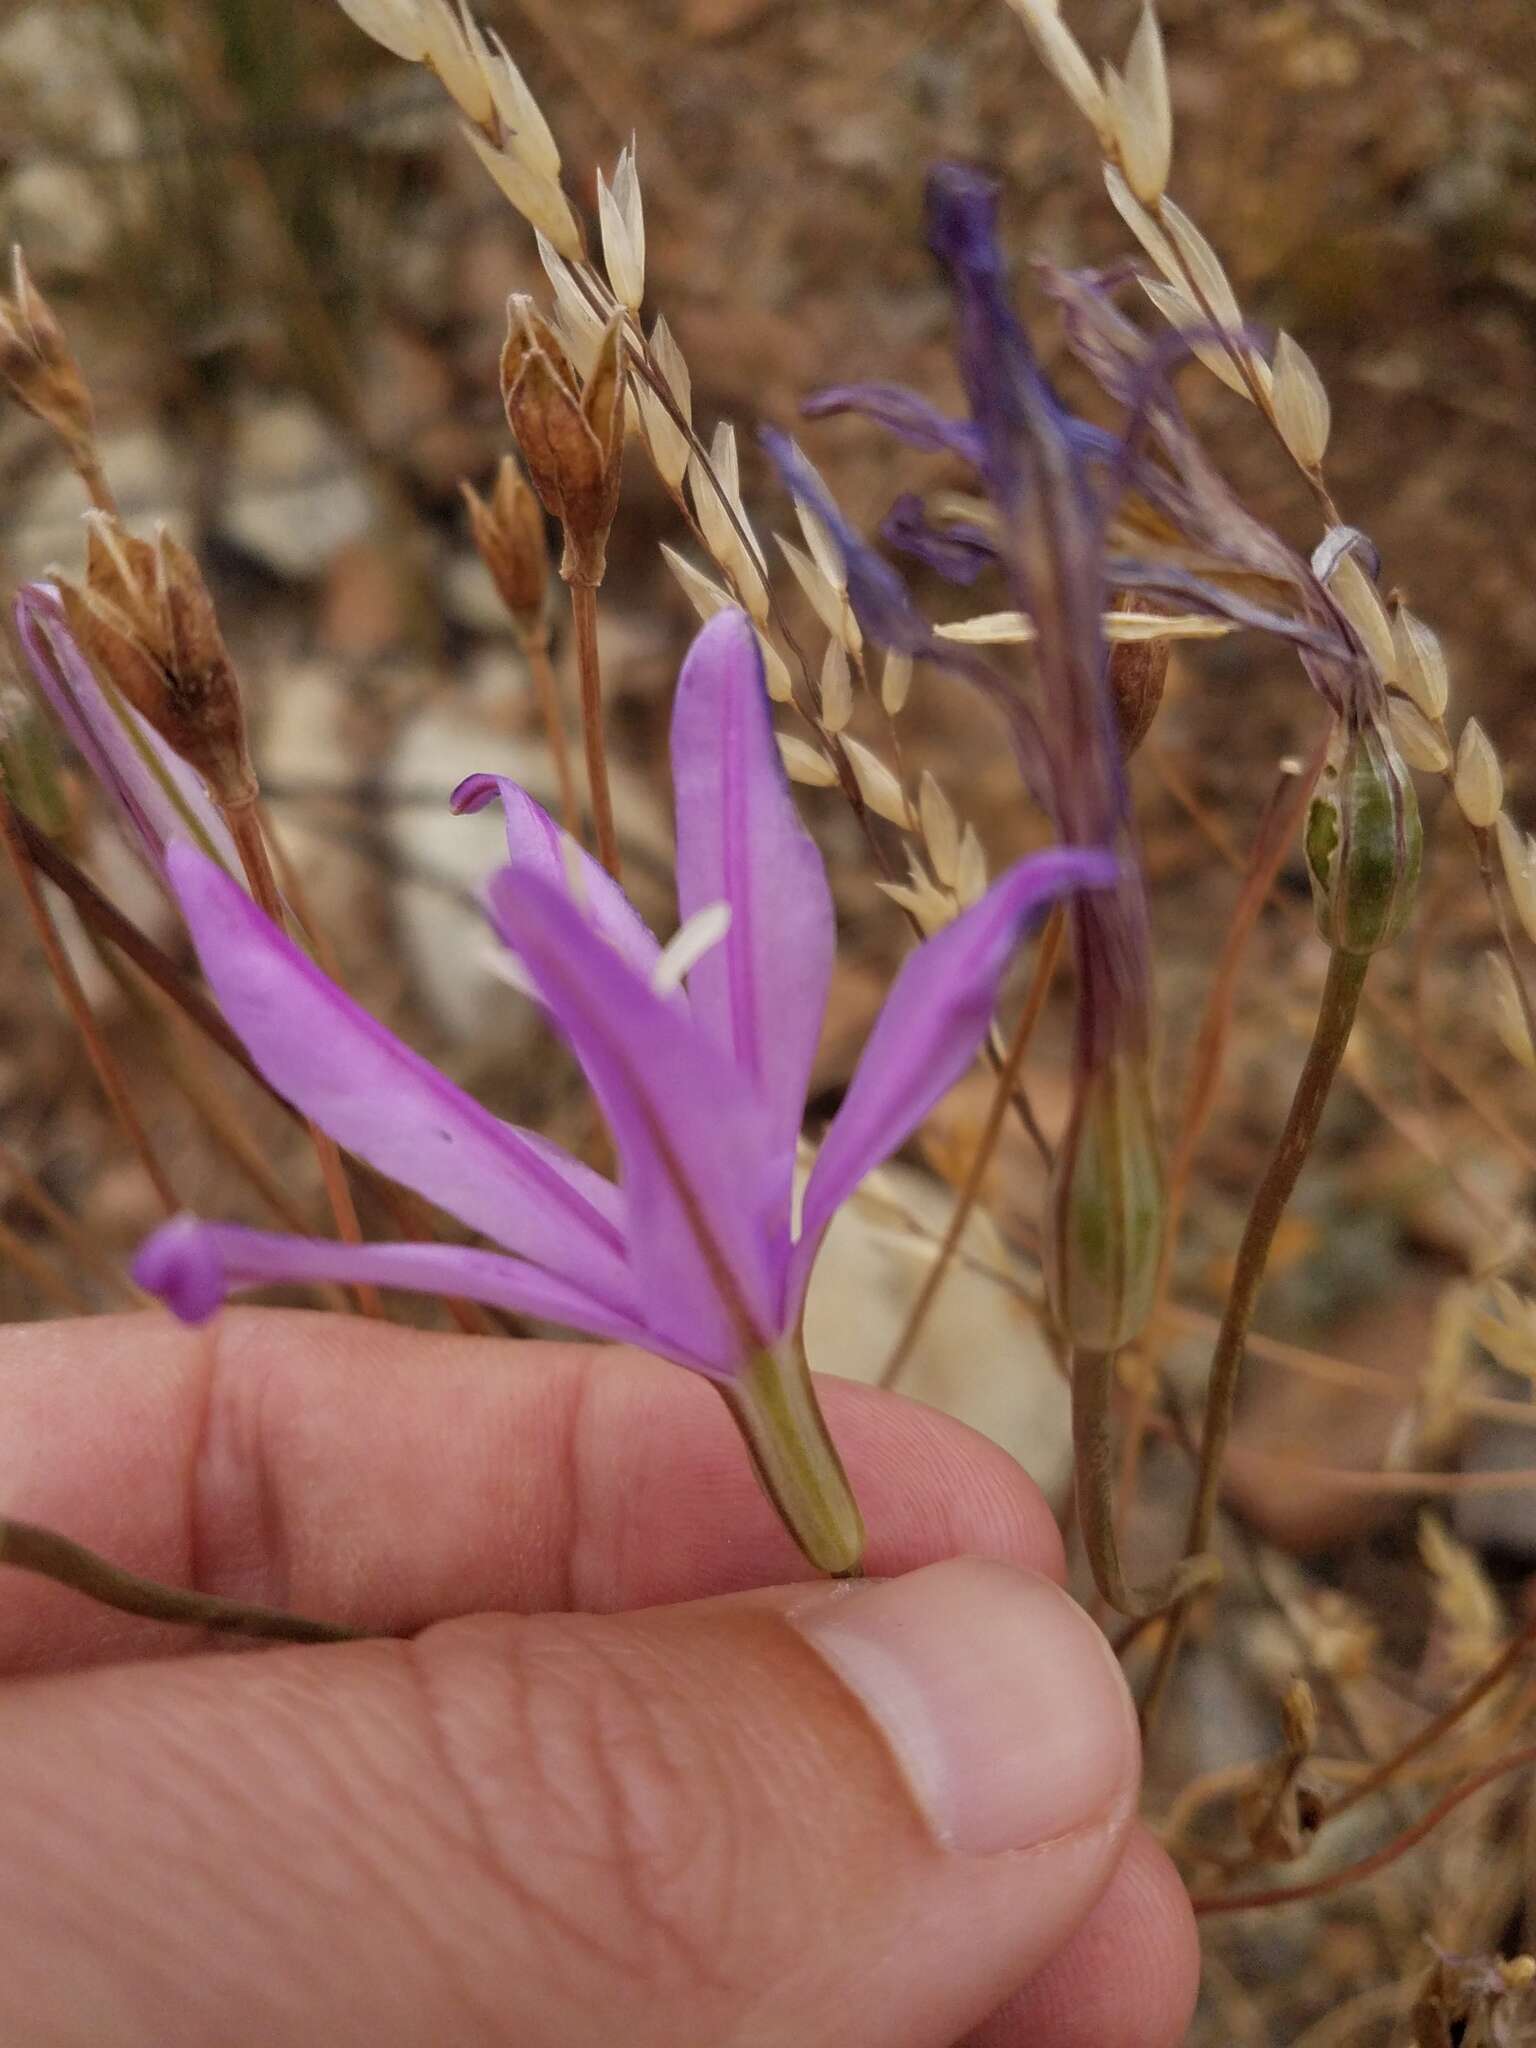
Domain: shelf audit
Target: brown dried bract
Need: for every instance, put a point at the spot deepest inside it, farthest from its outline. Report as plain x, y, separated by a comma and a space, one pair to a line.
36, 365
571, 436
509, 535
145, 620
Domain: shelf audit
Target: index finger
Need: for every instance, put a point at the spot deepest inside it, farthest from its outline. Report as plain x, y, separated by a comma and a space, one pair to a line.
385, 1478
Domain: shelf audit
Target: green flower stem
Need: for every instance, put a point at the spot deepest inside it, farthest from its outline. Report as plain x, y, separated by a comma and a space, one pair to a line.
51, 1556
1093, 1383
775, 1408
1330, 1035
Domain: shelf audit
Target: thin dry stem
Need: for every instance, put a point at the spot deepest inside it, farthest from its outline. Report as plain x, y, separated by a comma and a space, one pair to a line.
589, 665
67, 1563
1002, 1093
102, 1060
547, 690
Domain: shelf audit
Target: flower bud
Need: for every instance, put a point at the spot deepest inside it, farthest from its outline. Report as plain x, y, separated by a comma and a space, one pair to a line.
509, 535
571, 435
1363, 843
1104, 1216
36, 365
145, 621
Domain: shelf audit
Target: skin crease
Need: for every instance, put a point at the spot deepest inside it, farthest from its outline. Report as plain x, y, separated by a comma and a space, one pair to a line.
574, 1806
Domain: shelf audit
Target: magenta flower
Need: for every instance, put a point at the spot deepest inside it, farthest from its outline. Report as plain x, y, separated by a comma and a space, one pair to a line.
699, 1055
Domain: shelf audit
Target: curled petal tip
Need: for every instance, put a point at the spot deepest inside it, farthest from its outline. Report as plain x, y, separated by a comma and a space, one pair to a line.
473, 794
180, 1265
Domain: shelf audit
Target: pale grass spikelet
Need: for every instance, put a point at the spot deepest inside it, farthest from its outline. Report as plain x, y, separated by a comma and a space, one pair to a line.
716, 491
1140, 222
1017, 629
836, 688
526, 133
666, 442
895, 683
1479, 782
537, 198
1518, 854
1508, 1011
824, 600
452, 44
705, 595
1302, 411
1422, 673
621, 216
941, 829
1417, 740
1356, 597
825, 552
932, 908
394, 23
877, 785
580, 326
1201, 270
1509, 1336
805, 764
1469, 1613
776, 676
970, 869
1186, 318
1143, 112
1064, 59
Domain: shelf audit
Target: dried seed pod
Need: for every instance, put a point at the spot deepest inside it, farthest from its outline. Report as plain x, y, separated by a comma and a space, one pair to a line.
1138, 673
37, 367
145, 620
571, 435
1104, 1213
509, 535
1363, 843
1479, 778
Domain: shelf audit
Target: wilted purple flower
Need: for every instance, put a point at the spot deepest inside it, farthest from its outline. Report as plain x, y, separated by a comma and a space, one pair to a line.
155, 796
699, 1055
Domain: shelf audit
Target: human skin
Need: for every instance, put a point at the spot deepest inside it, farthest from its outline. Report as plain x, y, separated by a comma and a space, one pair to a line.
632, 1776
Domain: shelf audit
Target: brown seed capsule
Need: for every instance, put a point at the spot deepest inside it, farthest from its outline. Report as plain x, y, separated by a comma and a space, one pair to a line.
571, 435
1104, 1216
36, 365
1138, 671
1363, 843
145, 621
509, 534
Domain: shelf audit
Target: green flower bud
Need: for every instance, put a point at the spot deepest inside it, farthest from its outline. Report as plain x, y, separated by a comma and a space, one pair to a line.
1363, 843
1104, 1217
30, 770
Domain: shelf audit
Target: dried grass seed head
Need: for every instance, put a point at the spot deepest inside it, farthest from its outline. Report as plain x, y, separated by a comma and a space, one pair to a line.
1507, 1010
1418, 741
621, 216
715, 487
1479, 781
666, 441
877, 785
836, 688
1422, 671
538, 198
1064, 58
941, 830
806, 764
1300, 402
1142, 112
397, 24
895, 682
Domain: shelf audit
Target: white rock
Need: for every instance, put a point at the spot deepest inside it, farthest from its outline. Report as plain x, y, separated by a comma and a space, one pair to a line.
152, 482
295, 492
981, 1356
302, 747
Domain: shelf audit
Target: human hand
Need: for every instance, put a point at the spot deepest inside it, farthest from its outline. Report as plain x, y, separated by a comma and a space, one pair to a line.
679, 1795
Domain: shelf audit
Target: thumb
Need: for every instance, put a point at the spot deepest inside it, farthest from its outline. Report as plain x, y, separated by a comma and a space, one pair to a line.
855, 1815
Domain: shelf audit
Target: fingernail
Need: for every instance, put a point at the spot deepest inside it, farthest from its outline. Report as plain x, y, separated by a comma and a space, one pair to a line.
1003, 1705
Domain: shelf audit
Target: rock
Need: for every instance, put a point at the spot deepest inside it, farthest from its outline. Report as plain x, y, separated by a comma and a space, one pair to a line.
981, 1355
295, 492
443, 861
303, 745
152, 480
